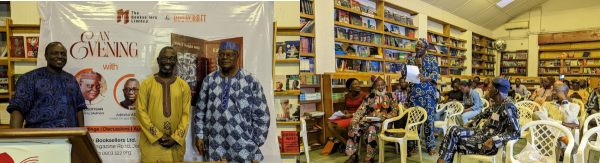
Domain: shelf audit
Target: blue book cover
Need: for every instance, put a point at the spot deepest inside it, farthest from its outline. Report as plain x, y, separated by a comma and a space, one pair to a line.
292, 49
374, 66
311, 64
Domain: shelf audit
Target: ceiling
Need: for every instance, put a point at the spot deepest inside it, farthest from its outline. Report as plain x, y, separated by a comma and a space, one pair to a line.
485, 12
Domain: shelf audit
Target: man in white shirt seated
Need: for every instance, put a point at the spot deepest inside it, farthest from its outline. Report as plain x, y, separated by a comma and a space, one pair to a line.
561, 111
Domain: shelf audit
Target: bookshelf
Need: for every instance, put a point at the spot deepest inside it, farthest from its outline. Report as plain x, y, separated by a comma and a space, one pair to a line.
514, 63
568, 59
449, 51
8, 61
372, 43
484, 56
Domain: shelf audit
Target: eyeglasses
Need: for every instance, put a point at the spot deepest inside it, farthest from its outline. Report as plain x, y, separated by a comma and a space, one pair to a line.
164, 59
89, 86
228, 55
131, 89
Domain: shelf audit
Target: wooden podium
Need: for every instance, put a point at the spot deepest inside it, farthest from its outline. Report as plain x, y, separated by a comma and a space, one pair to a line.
83, 149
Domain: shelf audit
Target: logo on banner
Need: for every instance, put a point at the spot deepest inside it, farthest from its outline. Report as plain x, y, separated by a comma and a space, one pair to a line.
189, 18
123, 15
5, 158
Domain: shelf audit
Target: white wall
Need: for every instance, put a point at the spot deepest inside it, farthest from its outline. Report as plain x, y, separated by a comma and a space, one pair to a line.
551, 17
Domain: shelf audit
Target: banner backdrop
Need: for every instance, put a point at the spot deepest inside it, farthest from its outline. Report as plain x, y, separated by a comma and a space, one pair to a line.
120, 41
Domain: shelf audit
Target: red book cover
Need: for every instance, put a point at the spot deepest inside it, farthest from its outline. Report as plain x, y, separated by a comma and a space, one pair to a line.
16, 47
32, 46
290, 142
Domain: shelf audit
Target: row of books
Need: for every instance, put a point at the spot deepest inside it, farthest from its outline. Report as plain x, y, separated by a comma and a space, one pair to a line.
456, 62
456, 52
458, 43
392, 67
569, 70
404, 19
307, 64
306, 45
397, 42
549, 70
511, 56
23, 47
451, 71
395, 29
306, 7
488, 65
287, 50
310, 79
355, 65
513, 70
556, 62
306, 26
488, 58
569, 62
476, 40
435, 38
477, 64
338, 96
356, 35
438, 49
396, 55
442, 60
310, 96
357, 6
341, 83
354, 19
514, 63
285, 83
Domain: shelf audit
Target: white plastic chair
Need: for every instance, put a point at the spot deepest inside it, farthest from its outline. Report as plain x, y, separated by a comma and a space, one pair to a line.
483, 158
544, 136
453, 109
531, 105
304, 138
416, 116
582, 111
584, 140
527, 96
517, 97
525, 116
485, 103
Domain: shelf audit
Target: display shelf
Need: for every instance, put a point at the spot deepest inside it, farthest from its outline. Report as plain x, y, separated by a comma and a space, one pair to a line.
309, 101
398, 48
358, 58
288, 123
24, 59
355, 12
433, 32
291, 92
453, 66
307, 73
307, 54
356, 27
433, 43
4, 95
438, 54
475, 59
452, 47
513, 66
549, 58
307, 16
514, 73
356, 42
287, 61
391, 60
458, 57
401, 36
4, 61
568, 49
516, 60
307, 34
310, 86
400, 24
489, 61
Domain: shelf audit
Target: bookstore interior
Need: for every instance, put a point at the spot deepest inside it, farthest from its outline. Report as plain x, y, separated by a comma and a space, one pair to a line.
356, 81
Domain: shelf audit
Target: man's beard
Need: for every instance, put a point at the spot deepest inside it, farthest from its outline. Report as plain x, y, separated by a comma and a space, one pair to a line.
378, 93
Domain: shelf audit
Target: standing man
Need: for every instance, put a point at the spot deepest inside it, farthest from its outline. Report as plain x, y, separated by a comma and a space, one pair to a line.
232, 117
519, 88
48, 97
130, 92
90, 87
163, 111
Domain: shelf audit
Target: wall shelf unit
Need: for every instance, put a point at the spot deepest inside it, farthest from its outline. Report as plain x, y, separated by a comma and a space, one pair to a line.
484, 56
514, 62
449, 51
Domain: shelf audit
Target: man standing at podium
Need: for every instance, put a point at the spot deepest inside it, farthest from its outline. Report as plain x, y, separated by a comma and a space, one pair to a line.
48, 97
163, 111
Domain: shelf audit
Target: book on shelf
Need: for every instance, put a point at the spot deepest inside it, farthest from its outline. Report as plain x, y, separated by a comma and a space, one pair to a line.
282, 109
280, 82
17, 47
280, 51
306, 7
308, 28
293, 82
290, 142
292, 49
32, 46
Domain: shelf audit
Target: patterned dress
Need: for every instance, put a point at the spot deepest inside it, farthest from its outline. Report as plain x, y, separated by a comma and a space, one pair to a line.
372, 106
232, 117
47, 100
483, 127
423, 95
540, 95
592, 102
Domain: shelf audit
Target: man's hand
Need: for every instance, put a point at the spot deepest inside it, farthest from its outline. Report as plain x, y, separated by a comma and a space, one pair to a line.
200, 146
571, 125
467, 110
163, 138
168, 142
561, 96
488, 144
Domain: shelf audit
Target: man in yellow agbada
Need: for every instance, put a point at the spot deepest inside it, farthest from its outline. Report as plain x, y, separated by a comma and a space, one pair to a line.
163, 111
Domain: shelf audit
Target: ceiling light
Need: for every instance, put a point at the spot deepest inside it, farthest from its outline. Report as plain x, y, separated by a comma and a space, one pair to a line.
503, 3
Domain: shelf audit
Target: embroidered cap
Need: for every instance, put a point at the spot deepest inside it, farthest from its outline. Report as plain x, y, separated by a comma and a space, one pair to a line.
375, 79
501, 84
229, 45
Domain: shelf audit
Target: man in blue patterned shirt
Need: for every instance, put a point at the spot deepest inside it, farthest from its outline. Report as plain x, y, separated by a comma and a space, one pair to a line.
48, 97
232, 116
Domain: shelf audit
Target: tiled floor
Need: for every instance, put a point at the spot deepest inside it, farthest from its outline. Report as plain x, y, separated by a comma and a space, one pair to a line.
391, 156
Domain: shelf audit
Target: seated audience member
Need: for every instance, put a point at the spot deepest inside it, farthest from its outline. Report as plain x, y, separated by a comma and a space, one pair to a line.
455, 94
543, 94
592, 104
485, 85
560, 110
519, 88
511, 94
471, 102
474, 85
577, 92
485, 133
583, 84
353, 99
402, 92
377, 104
